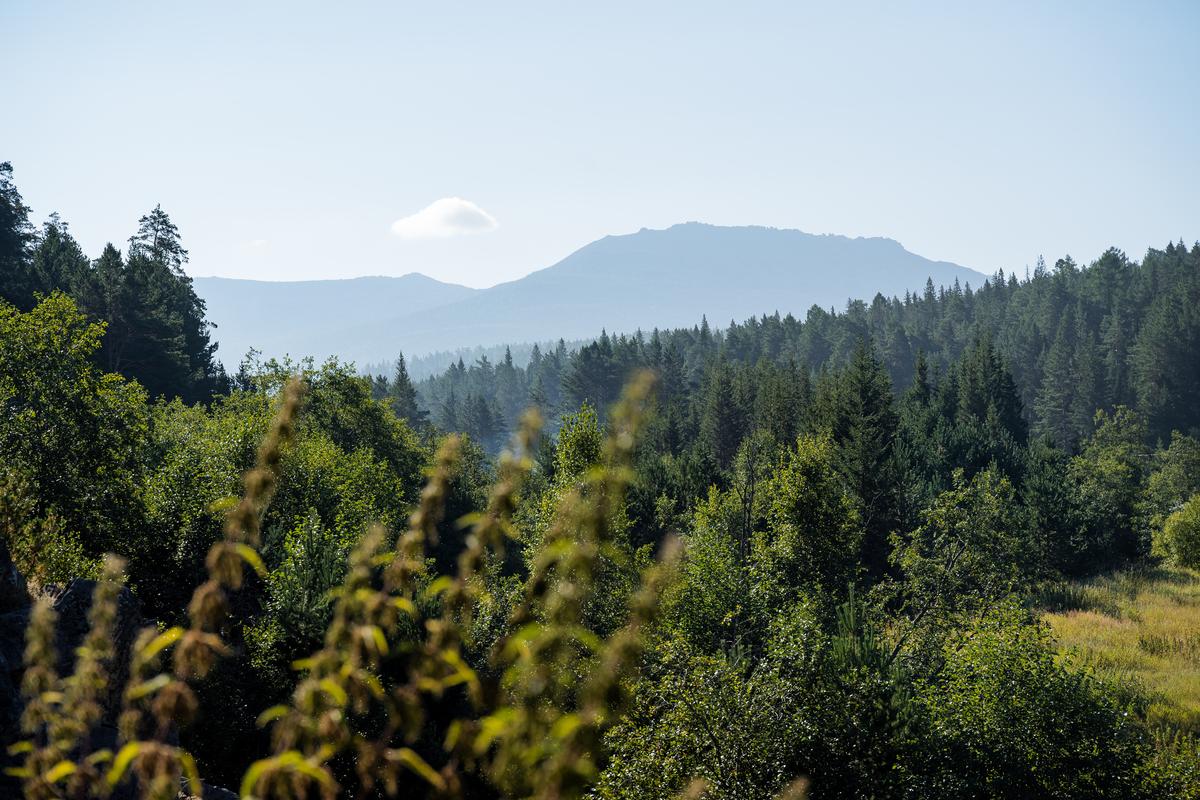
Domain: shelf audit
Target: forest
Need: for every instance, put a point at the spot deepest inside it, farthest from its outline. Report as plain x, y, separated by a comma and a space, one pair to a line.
860, 555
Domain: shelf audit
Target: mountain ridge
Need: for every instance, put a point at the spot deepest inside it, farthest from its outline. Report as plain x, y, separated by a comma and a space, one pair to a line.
650, 278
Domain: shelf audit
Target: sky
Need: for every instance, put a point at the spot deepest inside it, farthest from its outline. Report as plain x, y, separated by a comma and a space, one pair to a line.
477, 142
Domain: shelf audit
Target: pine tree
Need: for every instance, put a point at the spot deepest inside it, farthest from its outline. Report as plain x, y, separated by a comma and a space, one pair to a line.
511, 394
157, 239
537, 394
402, 395
111, 304
722, 421
17, 238
1088, 395
174, 354
1054, 399
673, 378
1166, 369
448, 414
59, 263
863, 426
1116, 357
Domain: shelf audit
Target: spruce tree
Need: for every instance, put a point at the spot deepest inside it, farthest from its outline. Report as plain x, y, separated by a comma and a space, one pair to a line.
1054, 400
175, 353
863, 426
59, 263
17, 238
402, 395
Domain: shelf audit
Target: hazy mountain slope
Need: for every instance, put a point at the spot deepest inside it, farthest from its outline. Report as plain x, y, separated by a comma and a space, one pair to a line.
276, 316
651, 278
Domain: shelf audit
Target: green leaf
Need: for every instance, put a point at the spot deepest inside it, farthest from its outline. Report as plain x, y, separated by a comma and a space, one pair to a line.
418, 765
121, 763
378, 639
270, 715
59, 771
334, 690
192, 773
164, 640
439, 586
405, 605
251, 557
149, 687
565, 725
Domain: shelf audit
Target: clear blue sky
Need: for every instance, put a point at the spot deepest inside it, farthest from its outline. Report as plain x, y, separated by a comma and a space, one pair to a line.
286, 138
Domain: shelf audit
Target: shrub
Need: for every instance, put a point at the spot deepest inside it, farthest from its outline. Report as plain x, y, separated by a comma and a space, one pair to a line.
1181, 534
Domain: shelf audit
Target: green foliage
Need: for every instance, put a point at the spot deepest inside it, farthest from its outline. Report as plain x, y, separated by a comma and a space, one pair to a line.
1110, 478
847, 611
73, 435
865, 734
971, 549
1176, 477
40, 549
299, 601
352, 463
704, 716
1181, 534
1015, 723
579, 445
710, 606
862, 421
814, 538
17, 240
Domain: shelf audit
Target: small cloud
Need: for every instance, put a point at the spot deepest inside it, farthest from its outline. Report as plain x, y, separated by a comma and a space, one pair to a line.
450, 216
257, 243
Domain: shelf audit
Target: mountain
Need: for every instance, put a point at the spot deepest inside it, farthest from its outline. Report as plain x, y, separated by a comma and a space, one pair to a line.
652, 278
274, 316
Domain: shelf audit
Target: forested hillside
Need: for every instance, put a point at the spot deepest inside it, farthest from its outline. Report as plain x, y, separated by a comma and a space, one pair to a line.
1073, 339
778, 559
156, 329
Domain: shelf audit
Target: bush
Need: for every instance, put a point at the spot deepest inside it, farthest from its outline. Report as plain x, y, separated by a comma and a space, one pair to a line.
1181, 534
41, 550
1015, 722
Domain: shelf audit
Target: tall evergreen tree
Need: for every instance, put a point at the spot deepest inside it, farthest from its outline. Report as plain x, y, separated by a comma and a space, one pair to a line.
1054, 399
402, 396
172, 352
59, 263
863, 425
449, 413
17, 238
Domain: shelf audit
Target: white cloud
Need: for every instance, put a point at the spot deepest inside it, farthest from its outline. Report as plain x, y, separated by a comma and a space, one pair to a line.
450, 216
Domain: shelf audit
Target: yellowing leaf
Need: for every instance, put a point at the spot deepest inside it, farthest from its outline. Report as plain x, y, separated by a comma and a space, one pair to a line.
121, 763
59, 771
251, 557
334, 690
164, 640
418, 765
149, 687
270, 715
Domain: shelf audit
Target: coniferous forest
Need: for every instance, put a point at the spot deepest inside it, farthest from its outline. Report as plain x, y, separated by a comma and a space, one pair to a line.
881, 551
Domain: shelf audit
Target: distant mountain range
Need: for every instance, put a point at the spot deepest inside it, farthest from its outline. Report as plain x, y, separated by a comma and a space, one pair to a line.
652, 278
299, 317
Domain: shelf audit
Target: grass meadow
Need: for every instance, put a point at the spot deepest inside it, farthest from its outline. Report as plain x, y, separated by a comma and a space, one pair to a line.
1140, 626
